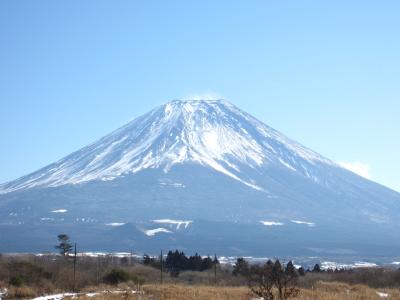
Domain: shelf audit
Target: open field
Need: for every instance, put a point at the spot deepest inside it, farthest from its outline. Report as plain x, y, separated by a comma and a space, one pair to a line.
322, 291
29, 277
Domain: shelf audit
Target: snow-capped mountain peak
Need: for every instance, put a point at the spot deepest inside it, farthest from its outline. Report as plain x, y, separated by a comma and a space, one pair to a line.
200, 175
212, 133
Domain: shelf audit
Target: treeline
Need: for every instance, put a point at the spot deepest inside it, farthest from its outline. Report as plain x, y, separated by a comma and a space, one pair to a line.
30, 275
244, 268
177, 262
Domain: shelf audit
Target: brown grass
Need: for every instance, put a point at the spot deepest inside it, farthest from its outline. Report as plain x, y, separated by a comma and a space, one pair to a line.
322, 291
179, 292
342, 291
22, 292
171, 292
50, 275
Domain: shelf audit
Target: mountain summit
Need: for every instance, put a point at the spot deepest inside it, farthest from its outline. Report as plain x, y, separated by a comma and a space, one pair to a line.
212, 133
197, 174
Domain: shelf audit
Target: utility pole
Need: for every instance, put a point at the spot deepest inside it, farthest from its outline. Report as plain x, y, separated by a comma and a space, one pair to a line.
75, 269
161, 267
97, 269
215, 269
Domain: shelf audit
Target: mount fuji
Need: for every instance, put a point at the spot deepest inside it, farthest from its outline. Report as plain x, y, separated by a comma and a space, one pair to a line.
201, 176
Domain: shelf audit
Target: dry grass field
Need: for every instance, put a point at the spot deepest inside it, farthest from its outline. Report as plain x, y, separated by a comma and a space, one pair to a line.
322, 291
50, 276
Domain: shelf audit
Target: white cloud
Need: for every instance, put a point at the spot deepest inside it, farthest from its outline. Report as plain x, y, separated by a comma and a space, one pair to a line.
357, 167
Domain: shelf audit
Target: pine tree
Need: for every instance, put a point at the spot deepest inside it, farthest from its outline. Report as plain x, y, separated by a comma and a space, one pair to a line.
176, 262
207, 263
195, 262
317, 268
290, 282
301, 271
64, 245
278, 277
146, 259
241, 267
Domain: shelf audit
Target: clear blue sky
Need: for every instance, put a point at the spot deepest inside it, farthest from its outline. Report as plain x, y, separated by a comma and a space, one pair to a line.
325, 73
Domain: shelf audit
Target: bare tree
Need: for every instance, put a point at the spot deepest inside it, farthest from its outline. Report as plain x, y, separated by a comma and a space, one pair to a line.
261, 280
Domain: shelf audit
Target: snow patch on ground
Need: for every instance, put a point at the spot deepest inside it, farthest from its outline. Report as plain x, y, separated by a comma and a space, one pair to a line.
287, 165
330, 265
90, 295
172, 184
77, 295
62, 210
310, 224
56, 296
3, 293
113, 254
272, 223
362, 264
178, 223
153, 232
382, 295
115, 224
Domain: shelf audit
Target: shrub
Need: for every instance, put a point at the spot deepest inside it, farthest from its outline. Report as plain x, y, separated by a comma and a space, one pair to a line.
26, 272
16, 281
23, 292
116, 276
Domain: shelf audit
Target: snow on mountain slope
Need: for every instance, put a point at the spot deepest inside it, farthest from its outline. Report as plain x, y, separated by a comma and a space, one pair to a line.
215, 134
200, 175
